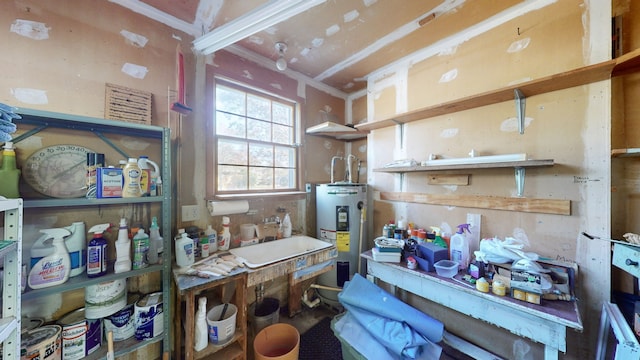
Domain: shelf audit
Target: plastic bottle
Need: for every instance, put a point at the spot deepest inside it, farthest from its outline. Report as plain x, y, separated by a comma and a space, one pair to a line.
225, 238
140, 250
123, 249
438, 239
155, 242
53, 269
286, 226
211, 243
184, 250
9, 173
77, 247
97, 251
149, 177
460, 247
131, 174
202, 336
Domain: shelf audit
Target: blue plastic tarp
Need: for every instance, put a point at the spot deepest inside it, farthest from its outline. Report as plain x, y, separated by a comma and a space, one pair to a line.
403, 330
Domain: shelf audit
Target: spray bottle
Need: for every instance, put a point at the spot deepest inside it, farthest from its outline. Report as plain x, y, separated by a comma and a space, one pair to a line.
438, 239
225, 238
140, 250
202, 336
52, 269
9, 173
97, 251
460, 247
123, 248
155, 242
211, 244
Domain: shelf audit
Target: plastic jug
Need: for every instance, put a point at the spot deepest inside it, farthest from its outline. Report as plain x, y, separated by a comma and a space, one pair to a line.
149, 176
9, 173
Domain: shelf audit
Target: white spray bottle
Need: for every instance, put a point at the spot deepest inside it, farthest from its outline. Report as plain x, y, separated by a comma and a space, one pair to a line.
52, 269
123, 249
202, 337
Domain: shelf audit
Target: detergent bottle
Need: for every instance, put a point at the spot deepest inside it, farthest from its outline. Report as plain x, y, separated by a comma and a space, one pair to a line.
460, 247
149, 177
97, 251
225, 238
438, 239
140, 250
52, 269
184, 250
77, 247
9, 173
123, 249
131, 175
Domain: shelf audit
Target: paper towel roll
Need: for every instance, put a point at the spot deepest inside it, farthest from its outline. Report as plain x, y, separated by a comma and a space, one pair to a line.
217, 208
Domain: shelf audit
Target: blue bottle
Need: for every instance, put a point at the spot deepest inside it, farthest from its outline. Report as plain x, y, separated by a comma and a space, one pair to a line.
97, 252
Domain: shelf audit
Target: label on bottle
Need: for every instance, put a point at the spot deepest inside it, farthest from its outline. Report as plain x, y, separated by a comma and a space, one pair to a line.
94, 259
140, 251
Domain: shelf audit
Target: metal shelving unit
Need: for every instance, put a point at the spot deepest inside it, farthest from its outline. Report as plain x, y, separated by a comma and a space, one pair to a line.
43, 120
11, 251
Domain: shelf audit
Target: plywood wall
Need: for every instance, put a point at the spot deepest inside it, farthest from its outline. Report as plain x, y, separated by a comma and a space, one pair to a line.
570, 126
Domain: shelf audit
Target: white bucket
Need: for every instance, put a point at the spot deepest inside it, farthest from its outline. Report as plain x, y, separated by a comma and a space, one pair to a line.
221, 331
105, 298
122, 324
148, 316
43, 343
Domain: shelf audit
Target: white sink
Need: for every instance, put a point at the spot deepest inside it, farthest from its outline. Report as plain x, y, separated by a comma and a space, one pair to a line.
259, 255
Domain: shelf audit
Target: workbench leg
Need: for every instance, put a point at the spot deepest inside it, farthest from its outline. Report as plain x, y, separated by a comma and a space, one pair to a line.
550, 353
177, 330
295, 296
189, 328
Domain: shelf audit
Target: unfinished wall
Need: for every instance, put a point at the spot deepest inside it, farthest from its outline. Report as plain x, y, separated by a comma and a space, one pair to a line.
570, 126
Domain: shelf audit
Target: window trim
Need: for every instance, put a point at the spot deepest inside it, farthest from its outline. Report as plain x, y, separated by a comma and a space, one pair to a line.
212, 156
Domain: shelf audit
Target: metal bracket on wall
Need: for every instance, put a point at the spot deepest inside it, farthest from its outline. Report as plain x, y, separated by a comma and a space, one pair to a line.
521, 102
519, 180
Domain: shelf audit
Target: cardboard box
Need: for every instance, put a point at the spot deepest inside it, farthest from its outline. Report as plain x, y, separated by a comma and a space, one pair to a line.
109, 182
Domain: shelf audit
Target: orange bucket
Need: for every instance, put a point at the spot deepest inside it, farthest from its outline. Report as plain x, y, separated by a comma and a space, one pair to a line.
277, 342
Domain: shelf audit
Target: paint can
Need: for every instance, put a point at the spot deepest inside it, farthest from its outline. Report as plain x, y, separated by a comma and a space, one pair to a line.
149, 316
122, 324
104, 299
43, 343
80, 336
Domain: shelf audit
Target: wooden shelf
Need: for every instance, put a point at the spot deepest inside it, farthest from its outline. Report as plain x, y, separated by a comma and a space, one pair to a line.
633, 152
494, 165
625, 64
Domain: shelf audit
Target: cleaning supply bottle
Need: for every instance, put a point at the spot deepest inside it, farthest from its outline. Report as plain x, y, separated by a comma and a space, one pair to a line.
460, 247
211, 244
202, 336
225, 238
149, 176
123, 249
131, 175
97, 251
9, 173
77, 247
438, 239
184, 250
53, 269
140, 250
155, 242
286, 226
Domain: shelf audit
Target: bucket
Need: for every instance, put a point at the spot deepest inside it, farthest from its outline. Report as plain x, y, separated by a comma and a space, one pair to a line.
80, 336
148, 316
42, 343
221, 331
122, 323
264, 314
277, 342
105, 298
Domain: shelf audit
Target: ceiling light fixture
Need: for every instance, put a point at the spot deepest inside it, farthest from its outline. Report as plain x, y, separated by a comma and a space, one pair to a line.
269, 14
281, 63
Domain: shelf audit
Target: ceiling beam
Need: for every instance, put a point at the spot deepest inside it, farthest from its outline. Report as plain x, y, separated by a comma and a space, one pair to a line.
256, 20
159, 16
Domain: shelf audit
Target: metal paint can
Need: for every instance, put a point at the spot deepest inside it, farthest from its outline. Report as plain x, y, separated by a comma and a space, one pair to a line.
104, 299
43, 343
80, 336
122, 324
149, 316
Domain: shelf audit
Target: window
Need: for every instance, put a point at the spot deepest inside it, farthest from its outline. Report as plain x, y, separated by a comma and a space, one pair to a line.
255, 141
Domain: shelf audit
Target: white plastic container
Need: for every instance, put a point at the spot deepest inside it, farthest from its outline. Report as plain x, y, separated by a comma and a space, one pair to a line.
55, 268
459, 246
132, 176
184, 250
155, 242
201, 338
140, 250
77, 247
225, 238
222, 327
123, 249
211, 244
286, 226
150, 176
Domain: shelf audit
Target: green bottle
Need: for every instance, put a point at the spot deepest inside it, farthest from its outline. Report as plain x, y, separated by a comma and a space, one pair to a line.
9, 173
438, 240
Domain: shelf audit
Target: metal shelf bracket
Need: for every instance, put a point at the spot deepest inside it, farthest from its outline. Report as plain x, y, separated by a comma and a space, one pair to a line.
521, 102
519, 172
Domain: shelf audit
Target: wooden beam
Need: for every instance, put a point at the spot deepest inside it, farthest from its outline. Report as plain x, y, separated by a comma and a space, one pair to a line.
443, 179
544, 206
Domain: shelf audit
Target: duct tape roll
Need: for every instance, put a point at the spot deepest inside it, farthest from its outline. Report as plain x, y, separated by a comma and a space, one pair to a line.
105, 298
217, 208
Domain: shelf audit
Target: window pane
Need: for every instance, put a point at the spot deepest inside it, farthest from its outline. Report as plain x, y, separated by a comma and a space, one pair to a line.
260, 178
285, 179
282, 114
232, 152
230, 125
230, 100
258, 107
232, 178
260, 155
285, 157
258, 130
282, 134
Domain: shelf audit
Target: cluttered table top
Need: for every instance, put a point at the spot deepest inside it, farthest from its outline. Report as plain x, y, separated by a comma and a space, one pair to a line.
565, 312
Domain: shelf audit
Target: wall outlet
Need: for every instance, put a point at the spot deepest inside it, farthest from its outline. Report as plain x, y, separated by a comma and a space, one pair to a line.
190, 212
307, 187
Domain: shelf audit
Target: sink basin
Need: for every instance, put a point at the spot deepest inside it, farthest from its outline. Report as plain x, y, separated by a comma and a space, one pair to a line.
259, 255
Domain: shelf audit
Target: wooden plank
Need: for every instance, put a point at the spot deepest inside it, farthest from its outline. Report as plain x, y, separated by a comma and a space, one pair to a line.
444, 179
544, 206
